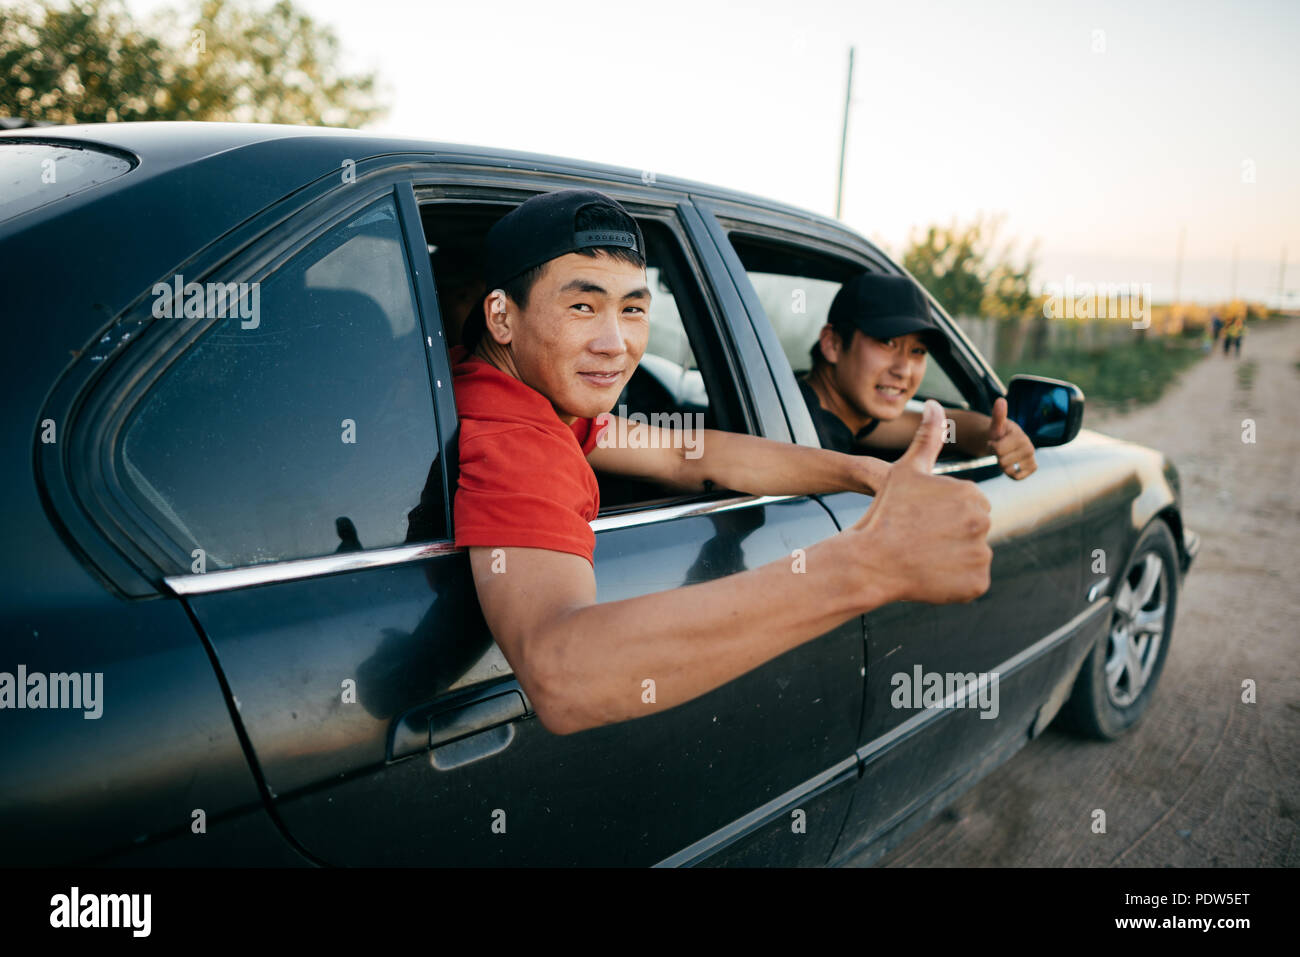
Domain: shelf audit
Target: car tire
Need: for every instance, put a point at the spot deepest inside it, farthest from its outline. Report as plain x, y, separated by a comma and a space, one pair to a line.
1119, 676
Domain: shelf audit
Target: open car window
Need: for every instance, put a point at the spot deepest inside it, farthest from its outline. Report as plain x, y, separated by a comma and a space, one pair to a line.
682, 379
795, 286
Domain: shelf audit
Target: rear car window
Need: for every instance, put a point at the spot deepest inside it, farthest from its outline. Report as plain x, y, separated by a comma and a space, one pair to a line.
33, 174
303, 425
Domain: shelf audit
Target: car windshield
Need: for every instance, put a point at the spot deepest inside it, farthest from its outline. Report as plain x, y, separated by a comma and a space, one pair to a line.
33, 173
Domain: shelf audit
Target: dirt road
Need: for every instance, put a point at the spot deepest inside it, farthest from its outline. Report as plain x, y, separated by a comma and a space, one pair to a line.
1205, 779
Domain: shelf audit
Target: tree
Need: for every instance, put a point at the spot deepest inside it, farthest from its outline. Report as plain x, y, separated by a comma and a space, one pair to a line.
89, 62
84, 64
1008, 298
949, 262
962, 267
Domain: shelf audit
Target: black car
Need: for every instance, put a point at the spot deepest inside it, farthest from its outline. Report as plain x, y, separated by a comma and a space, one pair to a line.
236, 629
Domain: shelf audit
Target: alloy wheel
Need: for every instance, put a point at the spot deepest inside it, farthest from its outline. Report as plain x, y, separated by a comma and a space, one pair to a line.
1137, 629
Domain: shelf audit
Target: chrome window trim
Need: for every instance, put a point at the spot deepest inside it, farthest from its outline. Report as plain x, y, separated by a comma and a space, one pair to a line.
667, 513
228, 578
303, 568
979, 463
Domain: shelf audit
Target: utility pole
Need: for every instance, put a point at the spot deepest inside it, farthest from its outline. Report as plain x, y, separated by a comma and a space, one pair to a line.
844, 137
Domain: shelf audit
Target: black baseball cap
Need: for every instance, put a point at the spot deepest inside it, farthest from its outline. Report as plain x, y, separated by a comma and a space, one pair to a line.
544, 228
884, 307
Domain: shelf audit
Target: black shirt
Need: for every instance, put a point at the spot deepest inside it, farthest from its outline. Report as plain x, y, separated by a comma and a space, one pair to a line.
832, 432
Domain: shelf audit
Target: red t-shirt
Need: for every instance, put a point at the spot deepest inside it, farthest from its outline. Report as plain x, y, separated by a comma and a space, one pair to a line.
524, 476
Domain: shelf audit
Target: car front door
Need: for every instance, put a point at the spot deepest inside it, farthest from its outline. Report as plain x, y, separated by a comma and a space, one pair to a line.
914, 743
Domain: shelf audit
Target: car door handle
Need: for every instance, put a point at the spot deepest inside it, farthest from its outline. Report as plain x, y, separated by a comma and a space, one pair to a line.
443, 722
448, 726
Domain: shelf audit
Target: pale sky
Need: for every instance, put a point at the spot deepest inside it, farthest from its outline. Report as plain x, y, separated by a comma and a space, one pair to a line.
1097, 128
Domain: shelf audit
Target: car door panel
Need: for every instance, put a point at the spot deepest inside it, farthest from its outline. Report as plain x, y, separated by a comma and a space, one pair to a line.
123, 738
909, 752
340, 676
633, 793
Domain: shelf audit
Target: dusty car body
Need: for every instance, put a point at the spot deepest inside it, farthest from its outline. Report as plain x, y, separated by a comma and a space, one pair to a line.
236, 514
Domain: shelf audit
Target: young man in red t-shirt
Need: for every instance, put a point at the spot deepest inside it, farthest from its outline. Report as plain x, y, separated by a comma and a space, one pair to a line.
561, 332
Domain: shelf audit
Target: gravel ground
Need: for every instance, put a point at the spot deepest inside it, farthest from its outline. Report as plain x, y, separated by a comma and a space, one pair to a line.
1205, 779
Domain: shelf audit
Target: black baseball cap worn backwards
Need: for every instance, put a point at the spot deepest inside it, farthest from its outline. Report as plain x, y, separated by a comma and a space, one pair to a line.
543, 228
884, 307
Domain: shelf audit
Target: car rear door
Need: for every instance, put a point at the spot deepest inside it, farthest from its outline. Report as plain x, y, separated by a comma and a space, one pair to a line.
301, 466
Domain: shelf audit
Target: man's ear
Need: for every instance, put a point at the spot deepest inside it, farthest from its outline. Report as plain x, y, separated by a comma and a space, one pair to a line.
498, 312
830, 343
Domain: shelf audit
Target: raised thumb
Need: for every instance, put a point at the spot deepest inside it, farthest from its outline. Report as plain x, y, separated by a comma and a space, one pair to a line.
999, 423
928, 441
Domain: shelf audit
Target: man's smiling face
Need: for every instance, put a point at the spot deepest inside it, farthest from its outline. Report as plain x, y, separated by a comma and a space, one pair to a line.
585, 329
877, 376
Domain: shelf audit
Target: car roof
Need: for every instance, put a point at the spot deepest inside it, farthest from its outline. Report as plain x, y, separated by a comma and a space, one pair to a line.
84, 259
166, 146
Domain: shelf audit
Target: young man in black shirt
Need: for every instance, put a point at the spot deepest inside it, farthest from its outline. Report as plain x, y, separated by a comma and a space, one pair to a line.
869, 360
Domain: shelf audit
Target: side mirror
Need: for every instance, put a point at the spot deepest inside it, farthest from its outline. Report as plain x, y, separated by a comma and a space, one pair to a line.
1049, 410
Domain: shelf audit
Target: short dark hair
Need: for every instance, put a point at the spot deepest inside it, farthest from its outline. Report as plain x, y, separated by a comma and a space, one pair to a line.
519, 287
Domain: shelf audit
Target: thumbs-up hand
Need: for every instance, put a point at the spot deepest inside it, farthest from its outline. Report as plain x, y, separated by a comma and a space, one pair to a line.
1008, 441
925, 537
998, 424
927, 443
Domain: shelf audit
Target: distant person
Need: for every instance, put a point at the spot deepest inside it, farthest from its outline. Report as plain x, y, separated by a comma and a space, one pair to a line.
1232, 336
869, 360
1216, 323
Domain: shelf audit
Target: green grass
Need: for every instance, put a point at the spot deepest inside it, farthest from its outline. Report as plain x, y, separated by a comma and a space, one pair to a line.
1119, 377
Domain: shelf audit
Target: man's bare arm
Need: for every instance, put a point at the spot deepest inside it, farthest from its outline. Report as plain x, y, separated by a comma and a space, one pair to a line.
975, 434
694, 461
970, 431
583, 664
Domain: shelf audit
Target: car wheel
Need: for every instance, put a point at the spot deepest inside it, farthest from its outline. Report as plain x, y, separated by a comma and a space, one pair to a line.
1119, 675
